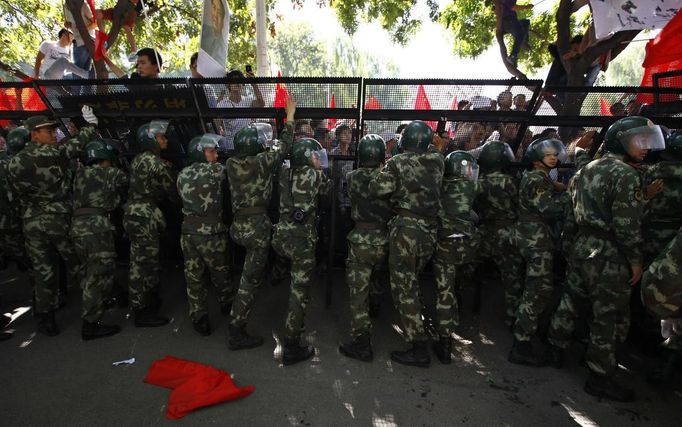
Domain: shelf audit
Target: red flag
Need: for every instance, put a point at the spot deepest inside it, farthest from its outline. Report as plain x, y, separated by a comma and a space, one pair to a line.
7, 103
454, 103
604, 107
91, 3
100, 39
421, 102
280, 94
372, 103
663, 53
331, 123
30, 99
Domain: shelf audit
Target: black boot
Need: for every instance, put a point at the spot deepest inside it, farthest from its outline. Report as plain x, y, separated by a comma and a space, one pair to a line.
240, 339
202, 326
603, 386
148, 318
47, 325
418, 355
442, 349
664, 372
554, 356
360, 348
294, 352
91, 331
522, 354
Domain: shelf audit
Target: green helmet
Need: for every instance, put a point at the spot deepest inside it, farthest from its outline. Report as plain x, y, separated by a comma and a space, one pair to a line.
371, 150
495, 156
198, 144
460, 164
17, 139
146, 135
537, 150
416, 137
252, 139
633, 132
308, 152
97, 150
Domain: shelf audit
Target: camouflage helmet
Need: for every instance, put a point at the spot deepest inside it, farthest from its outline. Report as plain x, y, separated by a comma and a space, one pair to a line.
17, 139
196, 147
460, 164
146, 135
308, 152
371, 150
633, 132
416, 137
98, 150
252, 139
538, 149
495, 156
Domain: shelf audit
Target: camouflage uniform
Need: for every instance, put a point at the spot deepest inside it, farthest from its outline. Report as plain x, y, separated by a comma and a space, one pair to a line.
204, 236
608, 214
458, 240
299, 189
41, 176
368, 244
96, 192
11, 236
662, 215
497, 208
539, 206
150, 180
413, 182
250, 180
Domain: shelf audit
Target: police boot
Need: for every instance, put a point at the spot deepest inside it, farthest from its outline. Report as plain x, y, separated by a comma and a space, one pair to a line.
148, 318
240, 339
360, 348
603, 386
418, 355
665, 372
442, 349
294, 352
522, 354
202, 326
47, 325
91, 331
554, 356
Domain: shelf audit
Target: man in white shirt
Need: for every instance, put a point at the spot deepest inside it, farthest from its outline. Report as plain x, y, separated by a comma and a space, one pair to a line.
81, 55
234, 99
54, 58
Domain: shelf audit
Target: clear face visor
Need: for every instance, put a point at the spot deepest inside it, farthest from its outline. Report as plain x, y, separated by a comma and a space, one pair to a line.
208, 140
508, 153
468, 170
644, 138
157, 127
264, 134
319, 159
555, 147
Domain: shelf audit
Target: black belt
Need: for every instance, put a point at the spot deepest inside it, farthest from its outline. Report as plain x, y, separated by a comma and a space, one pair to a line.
253, 210
198, 220
89, 211
361, 225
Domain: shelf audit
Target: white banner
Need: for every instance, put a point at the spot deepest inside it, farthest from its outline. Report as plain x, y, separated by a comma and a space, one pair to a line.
611, 16
215, 31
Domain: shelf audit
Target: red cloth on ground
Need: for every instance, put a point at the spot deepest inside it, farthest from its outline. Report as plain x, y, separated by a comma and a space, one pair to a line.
194, 385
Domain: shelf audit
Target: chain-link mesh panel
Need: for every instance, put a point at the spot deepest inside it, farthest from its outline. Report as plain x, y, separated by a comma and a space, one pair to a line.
20, 100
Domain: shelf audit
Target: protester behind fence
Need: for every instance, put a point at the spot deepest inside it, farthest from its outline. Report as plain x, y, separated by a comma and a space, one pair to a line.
520, 103
148, 65
508, 131
236, 97
81, 54
54, 58
342, 141
321, 134
618, 109
302, 129
509, 23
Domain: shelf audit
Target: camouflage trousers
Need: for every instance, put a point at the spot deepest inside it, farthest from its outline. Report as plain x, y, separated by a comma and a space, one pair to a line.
605, 284
537, 291
253, 233
12, 244
656, 237
410, 248
445, 271
206, 252
143, 278
297, 246
47, 238
98, 255
496, 244
363, 259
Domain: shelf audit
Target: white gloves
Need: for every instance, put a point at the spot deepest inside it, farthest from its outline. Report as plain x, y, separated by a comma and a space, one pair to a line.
89, 116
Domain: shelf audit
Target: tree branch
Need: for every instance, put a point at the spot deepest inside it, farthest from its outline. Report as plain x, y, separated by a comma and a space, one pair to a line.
563, 29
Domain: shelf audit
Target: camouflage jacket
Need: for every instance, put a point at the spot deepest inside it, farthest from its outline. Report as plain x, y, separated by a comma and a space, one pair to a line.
498, 198
666, 206
250, 178
369, 212
41, 175
412, 181
540, 206
9, 205
100, 188
607, 206
299, 190
661, 290
201, 187
456, 202
151, 179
